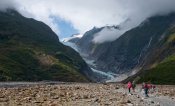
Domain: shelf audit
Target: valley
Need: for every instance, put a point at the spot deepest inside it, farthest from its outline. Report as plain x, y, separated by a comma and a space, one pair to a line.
133, 54
31, 51
87, 53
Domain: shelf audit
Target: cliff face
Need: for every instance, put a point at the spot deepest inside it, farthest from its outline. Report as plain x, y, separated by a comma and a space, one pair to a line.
159, 67
128, 50
31, 51
135, 50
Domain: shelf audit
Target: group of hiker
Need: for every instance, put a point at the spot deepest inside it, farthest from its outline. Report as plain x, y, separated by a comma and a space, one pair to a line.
145, 87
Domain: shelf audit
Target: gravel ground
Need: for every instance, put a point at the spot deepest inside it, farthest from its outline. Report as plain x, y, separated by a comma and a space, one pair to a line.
81, 94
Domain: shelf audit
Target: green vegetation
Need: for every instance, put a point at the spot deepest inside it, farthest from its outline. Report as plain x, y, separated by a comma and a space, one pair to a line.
31, 51
164, 73
23, 64
172, 38
161, 60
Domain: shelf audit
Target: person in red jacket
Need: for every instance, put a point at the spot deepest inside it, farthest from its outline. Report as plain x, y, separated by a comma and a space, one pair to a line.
129, 86
146, 88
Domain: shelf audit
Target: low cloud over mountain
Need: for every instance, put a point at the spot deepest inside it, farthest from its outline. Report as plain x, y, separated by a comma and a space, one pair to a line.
83, 15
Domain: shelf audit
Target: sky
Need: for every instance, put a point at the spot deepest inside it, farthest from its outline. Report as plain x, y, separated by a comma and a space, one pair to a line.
66, 29
67, 17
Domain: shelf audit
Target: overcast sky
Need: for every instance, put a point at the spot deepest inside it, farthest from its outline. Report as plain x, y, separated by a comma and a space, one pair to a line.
78, 16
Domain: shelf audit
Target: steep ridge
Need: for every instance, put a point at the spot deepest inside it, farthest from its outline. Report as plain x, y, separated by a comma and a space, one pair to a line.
133, 51
31, 51
85, 44
160, 68
127, 52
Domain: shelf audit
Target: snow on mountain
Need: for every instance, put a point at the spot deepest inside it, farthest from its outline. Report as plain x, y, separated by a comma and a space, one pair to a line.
70, 41
72, 37
107, 76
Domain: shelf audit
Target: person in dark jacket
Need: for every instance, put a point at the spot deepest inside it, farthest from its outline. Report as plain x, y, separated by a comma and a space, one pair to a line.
133, 85
146, 88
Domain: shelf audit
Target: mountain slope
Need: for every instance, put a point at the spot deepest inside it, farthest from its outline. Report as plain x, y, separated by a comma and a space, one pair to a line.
85, 43
30, 50
160, 68
163, 73
133, 51
128, 51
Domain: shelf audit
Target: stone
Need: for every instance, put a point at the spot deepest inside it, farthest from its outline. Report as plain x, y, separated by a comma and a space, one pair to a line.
97, 100
116, 87
128, 101
85, 97
55, 97
2, 96
4, 100
152, 102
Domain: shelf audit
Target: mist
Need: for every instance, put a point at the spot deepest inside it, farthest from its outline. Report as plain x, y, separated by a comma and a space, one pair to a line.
84, 15
107, 34
136, 12
8, 4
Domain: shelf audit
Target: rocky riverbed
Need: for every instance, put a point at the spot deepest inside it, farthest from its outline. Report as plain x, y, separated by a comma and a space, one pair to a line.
82, 94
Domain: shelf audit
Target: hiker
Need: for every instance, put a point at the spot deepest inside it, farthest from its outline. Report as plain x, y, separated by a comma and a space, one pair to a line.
129, 86
152, 88
146, 88
133, 86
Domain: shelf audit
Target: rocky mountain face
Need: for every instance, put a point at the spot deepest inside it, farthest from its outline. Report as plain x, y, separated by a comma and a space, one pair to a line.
127, 52
86, 42
31, 51
159, 67
135, 50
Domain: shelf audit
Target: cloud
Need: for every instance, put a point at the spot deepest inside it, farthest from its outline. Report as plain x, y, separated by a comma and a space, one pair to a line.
135, 12
85, 14
4, 4
110, 33
107, 34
